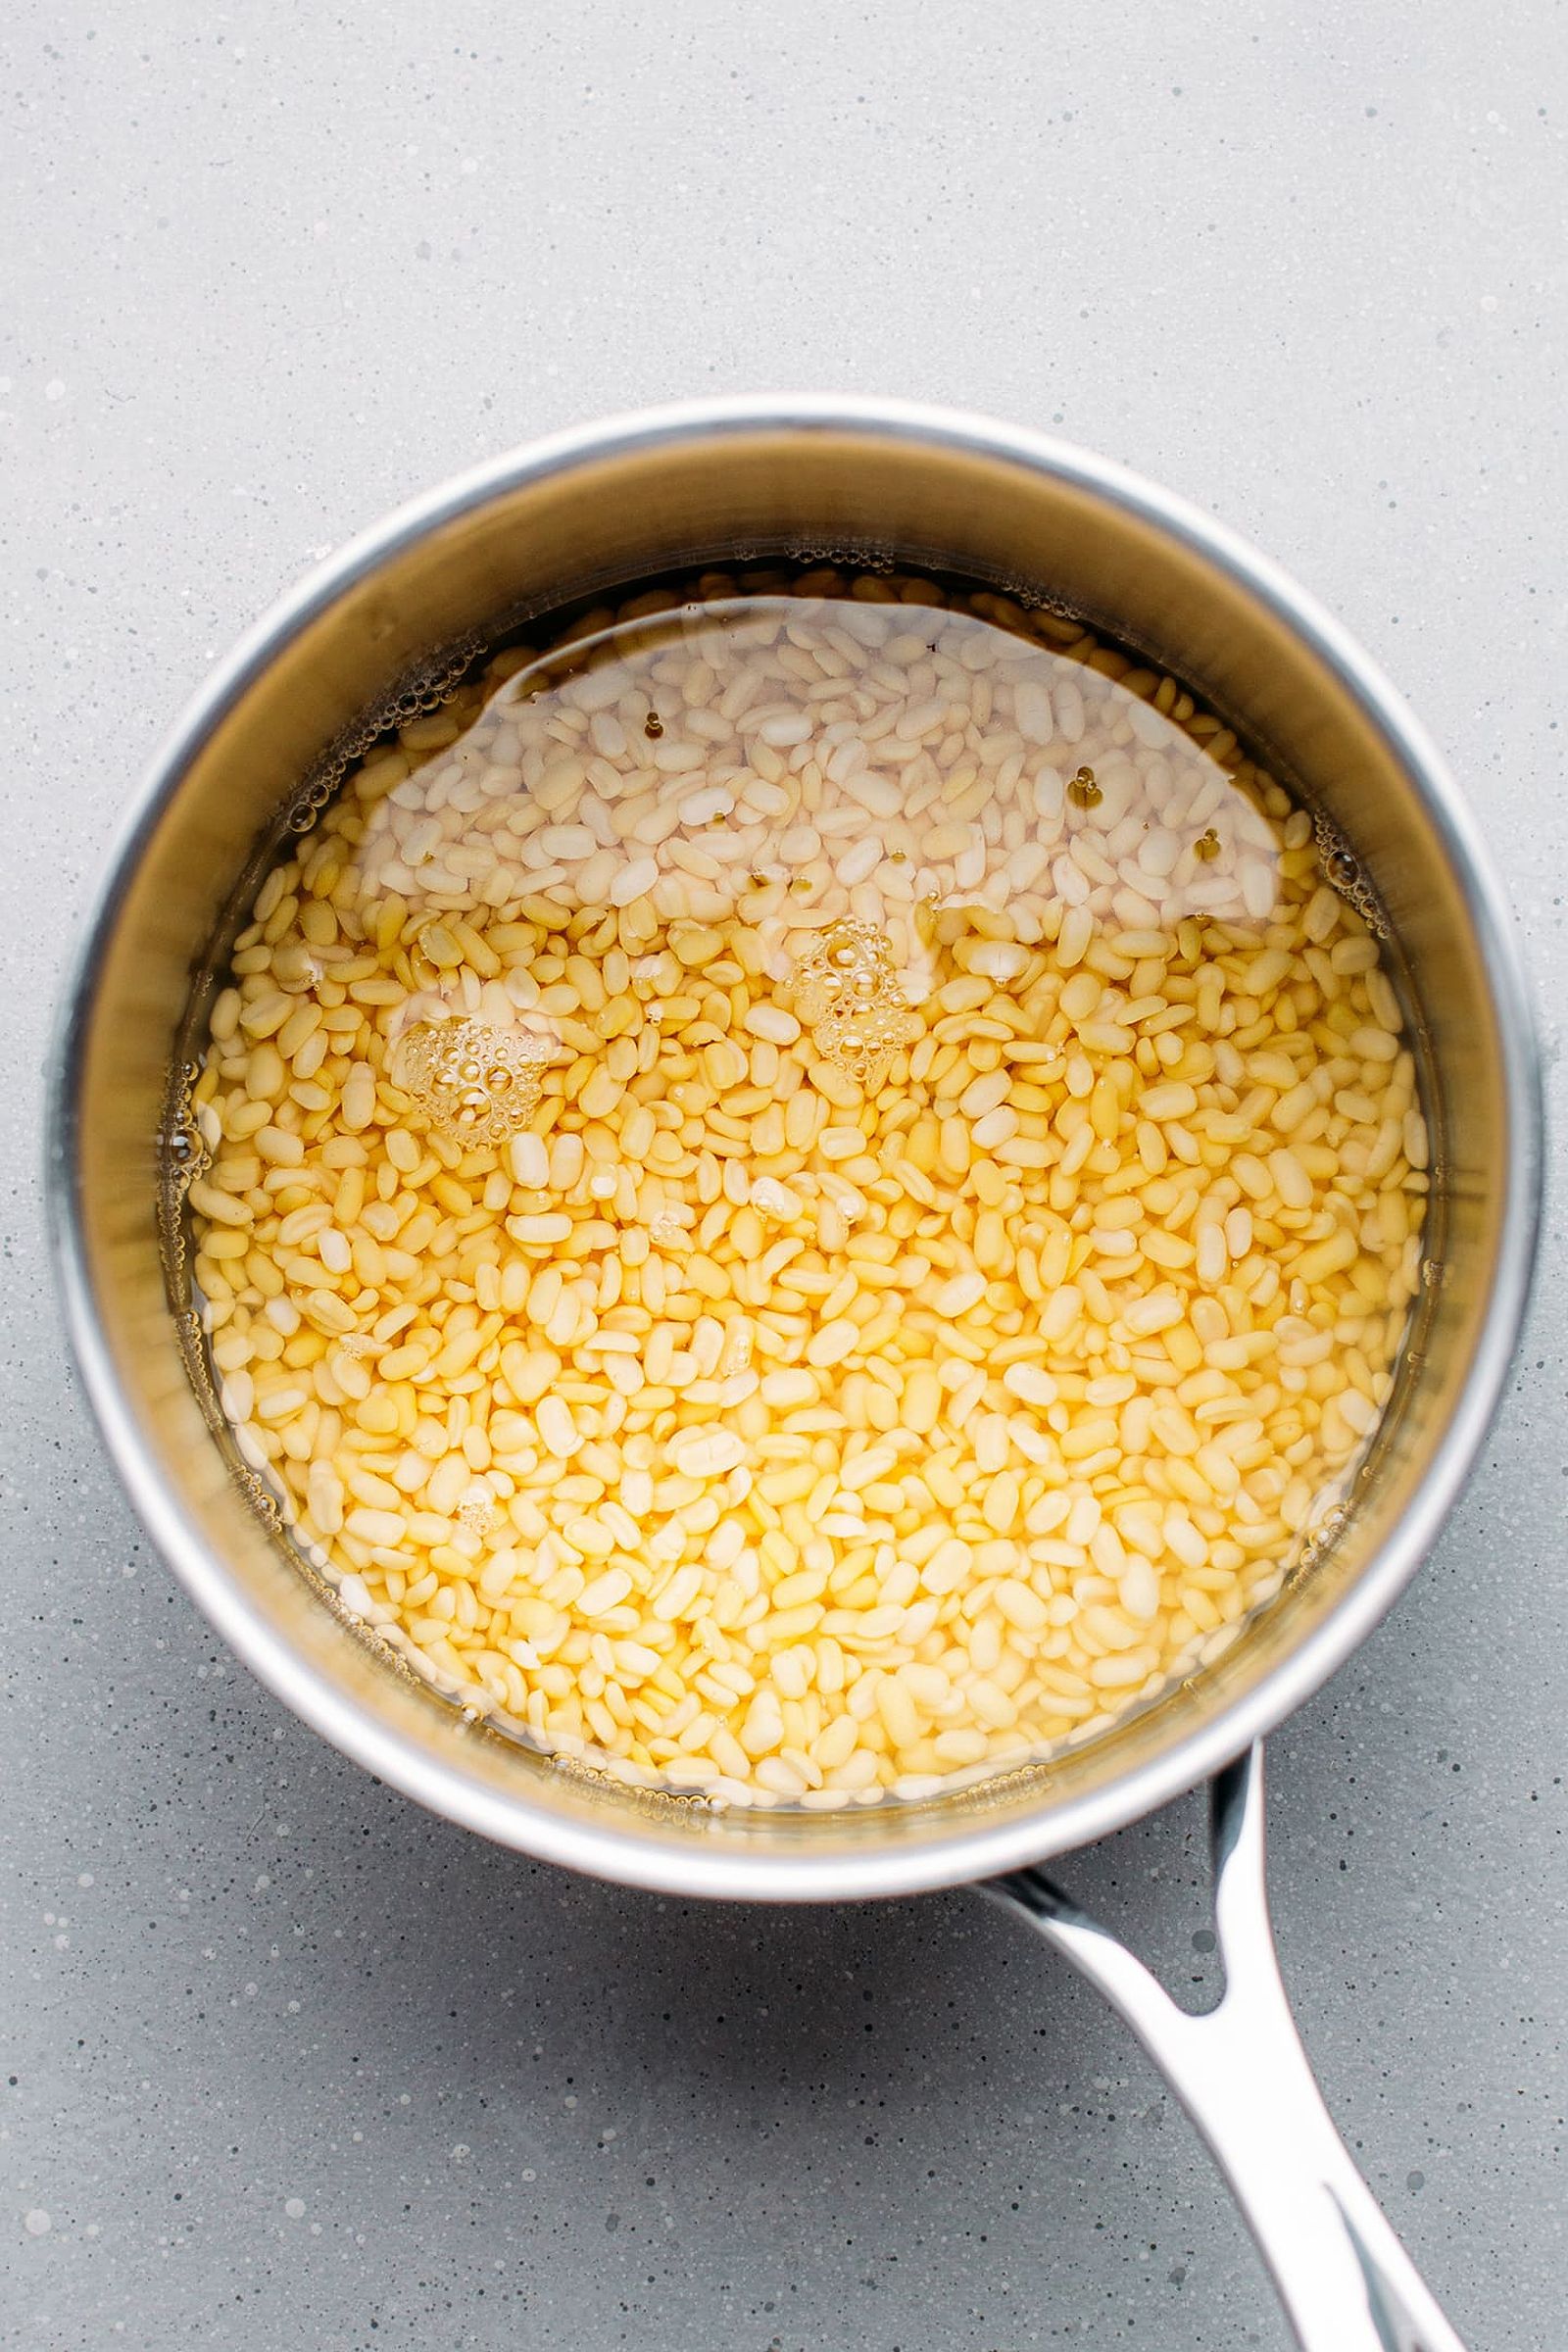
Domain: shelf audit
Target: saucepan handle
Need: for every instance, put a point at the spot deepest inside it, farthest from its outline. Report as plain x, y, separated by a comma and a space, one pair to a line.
1243, 2076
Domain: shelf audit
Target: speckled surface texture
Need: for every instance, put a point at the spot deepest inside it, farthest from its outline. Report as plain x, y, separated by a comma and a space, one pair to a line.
288, 2061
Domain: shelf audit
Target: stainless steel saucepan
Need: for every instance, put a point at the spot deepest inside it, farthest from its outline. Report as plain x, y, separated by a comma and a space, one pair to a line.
697, 485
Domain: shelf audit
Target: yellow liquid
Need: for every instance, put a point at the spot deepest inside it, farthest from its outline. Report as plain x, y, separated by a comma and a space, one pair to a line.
812, 1191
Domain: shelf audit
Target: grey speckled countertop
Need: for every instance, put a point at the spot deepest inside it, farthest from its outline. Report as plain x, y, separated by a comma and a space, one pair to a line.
286, 2061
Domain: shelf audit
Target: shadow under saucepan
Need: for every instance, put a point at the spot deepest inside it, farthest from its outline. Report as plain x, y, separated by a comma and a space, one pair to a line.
895, 2108
715, 2008
579, 2114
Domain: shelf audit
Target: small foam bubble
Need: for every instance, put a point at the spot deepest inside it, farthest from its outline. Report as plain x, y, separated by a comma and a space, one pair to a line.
476, 1512
475, 1084
1343, 872
1321, 1535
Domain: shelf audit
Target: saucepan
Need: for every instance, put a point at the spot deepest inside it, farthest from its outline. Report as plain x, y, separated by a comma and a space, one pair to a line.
382, 625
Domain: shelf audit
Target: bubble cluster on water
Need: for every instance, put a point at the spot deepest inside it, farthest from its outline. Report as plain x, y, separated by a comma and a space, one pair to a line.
475, 1083
847, 994
478, 1514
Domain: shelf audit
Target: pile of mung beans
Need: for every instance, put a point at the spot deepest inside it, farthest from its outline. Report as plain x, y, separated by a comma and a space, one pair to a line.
808, 1190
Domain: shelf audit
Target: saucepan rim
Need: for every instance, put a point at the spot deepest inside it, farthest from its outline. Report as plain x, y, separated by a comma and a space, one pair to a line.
974, 1846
